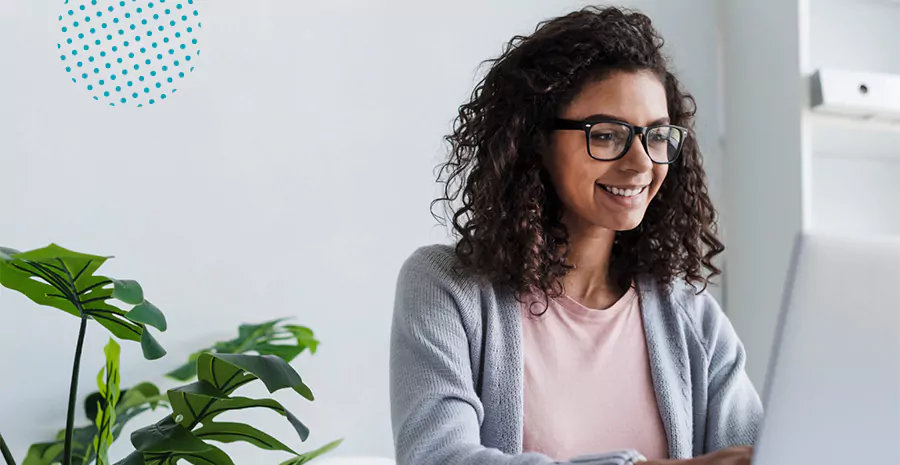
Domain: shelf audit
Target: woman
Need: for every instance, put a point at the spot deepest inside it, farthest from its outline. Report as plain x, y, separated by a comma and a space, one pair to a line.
570, 318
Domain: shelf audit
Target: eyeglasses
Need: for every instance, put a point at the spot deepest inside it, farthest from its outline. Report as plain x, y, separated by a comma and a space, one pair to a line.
609, 139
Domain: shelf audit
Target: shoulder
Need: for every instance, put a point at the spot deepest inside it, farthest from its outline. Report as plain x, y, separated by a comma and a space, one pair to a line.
431, 281
437, 264
438, 258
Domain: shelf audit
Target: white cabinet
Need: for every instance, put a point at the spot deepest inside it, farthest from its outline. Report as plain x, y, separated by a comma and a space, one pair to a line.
812, 141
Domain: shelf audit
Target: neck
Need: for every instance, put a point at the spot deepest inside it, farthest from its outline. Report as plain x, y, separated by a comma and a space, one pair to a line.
590, 251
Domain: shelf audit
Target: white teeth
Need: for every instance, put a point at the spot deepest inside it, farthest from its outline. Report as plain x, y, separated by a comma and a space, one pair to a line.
624, 192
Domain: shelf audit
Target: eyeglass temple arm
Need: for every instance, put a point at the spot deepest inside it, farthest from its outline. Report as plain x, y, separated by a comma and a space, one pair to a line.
560, 123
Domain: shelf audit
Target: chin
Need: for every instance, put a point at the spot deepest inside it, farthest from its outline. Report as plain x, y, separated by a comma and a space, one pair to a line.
625, 224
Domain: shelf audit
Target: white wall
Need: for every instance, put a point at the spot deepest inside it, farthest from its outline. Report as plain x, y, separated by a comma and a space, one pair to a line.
763, 193
290, 176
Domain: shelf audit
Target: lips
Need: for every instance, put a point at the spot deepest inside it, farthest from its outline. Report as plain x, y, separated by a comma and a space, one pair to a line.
630, 191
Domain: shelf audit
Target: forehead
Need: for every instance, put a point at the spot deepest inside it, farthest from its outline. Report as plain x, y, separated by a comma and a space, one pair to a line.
635, 97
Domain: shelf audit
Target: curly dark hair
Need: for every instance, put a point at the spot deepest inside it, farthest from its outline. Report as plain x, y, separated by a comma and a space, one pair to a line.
504, 211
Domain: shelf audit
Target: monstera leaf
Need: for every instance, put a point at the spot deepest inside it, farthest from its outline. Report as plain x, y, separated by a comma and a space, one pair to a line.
63, 279
167, 442
186, 433
201, 402
234, 432
269, 338
222, 374
227, 372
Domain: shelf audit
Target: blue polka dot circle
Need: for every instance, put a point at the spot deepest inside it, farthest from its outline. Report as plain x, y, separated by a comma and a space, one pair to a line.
129, 52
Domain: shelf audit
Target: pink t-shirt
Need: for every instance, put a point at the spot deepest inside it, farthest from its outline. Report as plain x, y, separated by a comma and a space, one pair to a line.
588, 387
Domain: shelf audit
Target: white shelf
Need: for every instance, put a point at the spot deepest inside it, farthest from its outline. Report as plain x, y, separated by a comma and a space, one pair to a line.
864, 127
845, 137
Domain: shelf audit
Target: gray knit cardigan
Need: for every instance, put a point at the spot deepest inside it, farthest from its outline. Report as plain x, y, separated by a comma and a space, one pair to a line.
456, 371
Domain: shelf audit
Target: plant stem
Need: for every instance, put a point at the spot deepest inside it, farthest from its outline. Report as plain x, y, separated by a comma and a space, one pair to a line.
73, 393
7, 455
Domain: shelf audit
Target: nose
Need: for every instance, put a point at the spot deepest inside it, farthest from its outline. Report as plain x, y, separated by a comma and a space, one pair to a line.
636, 159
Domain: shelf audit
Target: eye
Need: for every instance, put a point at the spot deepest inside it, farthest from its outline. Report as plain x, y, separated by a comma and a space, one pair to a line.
602, 136
663, 134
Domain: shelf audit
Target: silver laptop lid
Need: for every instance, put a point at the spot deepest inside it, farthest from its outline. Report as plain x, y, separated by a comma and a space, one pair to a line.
833, 390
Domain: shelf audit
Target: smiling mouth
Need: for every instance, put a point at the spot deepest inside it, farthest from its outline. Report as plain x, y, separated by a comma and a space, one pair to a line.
627, 193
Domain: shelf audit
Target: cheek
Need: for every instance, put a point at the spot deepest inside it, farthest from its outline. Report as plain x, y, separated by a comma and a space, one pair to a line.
567, 165
659, 175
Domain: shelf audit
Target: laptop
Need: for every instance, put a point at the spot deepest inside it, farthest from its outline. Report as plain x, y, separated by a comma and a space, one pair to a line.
832, 392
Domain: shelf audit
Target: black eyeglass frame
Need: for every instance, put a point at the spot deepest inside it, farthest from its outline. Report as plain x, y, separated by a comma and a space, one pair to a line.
586, 125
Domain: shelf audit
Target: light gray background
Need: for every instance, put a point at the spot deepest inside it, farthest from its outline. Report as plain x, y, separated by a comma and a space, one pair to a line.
290, 176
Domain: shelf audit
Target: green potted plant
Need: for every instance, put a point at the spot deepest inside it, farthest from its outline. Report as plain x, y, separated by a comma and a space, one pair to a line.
56, 277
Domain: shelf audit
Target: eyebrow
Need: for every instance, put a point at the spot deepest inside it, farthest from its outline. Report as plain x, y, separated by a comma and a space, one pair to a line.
663, 120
